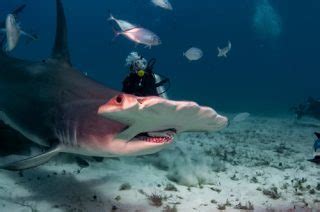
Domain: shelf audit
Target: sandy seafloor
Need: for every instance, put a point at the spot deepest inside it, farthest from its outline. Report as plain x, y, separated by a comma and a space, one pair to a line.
262, 160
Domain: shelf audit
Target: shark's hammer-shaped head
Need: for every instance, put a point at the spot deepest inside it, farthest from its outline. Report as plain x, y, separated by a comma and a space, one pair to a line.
153, 121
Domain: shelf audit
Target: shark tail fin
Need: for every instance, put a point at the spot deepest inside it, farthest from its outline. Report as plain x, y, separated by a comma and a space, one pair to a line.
60, 49
32, 161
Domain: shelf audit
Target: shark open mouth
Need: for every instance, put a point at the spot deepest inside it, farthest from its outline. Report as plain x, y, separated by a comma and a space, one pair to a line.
163, 136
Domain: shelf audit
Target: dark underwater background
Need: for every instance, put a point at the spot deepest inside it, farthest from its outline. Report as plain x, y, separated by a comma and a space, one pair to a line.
268, 70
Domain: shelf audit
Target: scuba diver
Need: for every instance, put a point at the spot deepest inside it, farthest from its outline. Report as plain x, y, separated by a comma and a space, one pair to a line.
316, 147
142, 81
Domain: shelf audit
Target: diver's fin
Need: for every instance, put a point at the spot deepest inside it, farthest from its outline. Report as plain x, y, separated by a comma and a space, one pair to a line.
60, 49
33, 37
317, 134
32, 161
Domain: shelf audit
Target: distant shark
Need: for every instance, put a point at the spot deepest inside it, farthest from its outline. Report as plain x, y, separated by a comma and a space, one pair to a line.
13, 32
310, 108
14, 12
58, 107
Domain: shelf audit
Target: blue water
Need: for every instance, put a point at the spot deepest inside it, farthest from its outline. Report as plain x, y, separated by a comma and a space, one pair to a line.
264, 73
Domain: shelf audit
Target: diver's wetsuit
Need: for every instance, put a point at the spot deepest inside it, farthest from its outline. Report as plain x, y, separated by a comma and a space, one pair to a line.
142, 86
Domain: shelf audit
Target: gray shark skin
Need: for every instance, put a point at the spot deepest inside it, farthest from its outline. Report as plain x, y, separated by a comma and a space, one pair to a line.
58, 107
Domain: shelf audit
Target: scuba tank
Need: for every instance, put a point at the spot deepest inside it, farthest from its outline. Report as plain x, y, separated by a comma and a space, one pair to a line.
160, 80
160, 89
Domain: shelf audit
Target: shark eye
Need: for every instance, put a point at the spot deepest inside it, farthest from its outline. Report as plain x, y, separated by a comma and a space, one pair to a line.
119, 99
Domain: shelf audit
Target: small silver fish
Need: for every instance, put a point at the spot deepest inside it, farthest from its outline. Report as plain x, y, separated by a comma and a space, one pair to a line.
193, 53
165, 4
123, 25
13, 32
141, 35
223, 52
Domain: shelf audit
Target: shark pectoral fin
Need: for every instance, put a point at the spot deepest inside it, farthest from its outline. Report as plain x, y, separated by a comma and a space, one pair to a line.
33, 37
32, 161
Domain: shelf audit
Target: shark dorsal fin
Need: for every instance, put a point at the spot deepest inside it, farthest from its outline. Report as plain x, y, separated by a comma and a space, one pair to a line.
317, 134
60, 49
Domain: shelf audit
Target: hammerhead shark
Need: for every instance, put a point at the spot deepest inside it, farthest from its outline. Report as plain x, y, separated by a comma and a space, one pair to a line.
54, 105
